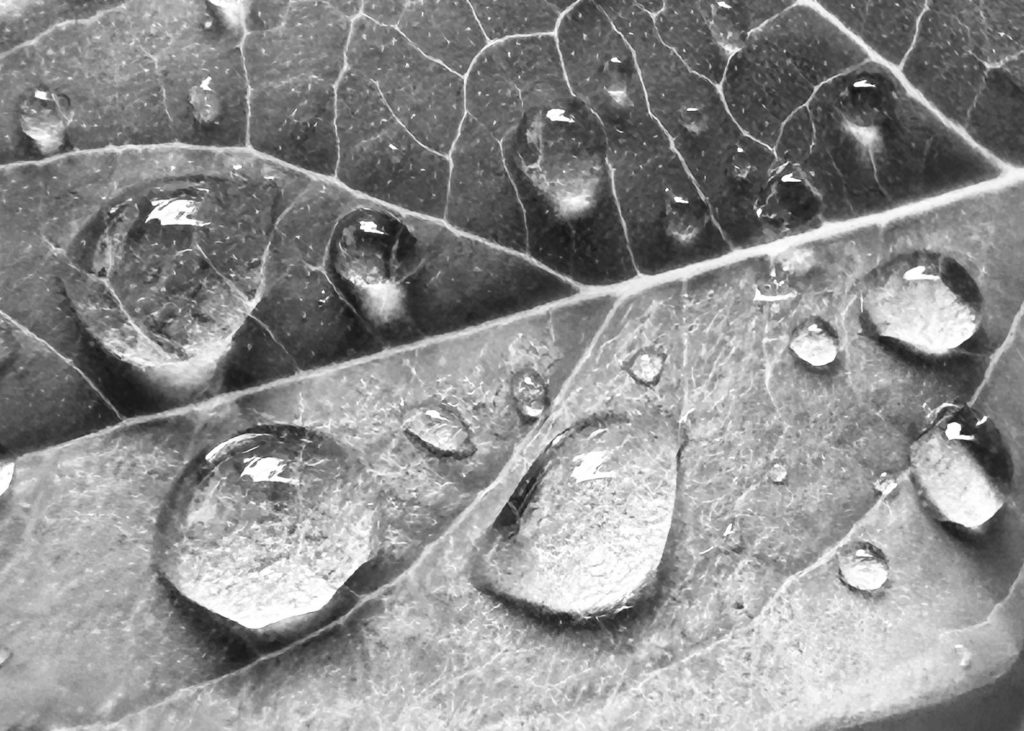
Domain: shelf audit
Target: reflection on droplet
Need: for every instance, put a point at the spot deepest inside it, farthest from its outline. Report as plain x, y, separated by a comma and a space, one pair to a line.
44, 117
742, 167
778, 473
788, 200
5, 654
370, 259
863, 566
694, 118
560, 148
206, 104
925, 302
529, 393
885, 485
440, 430
228, 15
617, 71
686, 219
6, 475
645, 365
264, 530
728, 23
815, 343
961, 467
9, 346
868, 99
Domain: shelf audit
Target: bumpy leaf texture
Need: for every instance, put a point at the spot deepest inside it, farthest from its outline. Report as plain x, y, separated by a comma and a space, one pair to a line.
583, 181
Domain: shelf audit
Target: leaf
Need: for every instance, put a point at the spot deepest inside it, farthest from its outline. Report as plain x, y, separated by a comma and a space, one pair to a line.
417, 109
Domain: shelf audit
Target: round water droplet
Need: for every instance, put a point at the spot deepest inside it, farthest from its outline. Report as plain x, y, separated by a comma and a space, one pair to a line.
742, 167
788, 200
560, 148
440, 430
264, 529
207, 107
961, 467
370, 259
815, 343
44, 117
686, 219
645, 365
9, 346
728, 22
868, 99
529, 393
863, 566
778, 473
160, 276
924, 302
617, 72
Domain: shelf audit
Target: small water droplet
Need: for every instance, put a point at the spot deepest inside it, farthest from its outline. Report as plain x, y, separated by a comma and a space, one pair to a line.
788, 200
694, 118
228, 15
646, 365
728, 22
529, 393
560, 148
440, 430
5, 654
885, 485
742, 167
863, 566
9, 346
961, 467
44, 117
207, 107
264, 529
686, 219
963, 655
778, 473
617, 72
924, 302
815, 343
868, 99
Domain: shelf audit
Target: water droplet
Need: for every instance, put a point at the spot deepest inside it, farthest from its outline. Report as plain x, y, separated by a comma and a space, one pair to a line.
788, 200
264, 529
963, 655
9, 346
694, 118
6, 476
778, 473
728, 22
885, 485
5, 654
529, 393
645, 365
863, 566
686, 219
584, 532
560, 148
617, 72
370, 259
44, 117
742, 167
207, 107
228, 15
868, 99
815, 343
924, 302
440, 430
961, 467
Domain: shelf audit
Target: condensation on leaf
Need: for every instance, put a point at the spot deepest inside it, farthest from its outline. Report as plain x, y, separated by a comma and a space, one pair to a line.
863, 566
440, 430
529, 393
44, 119
815, 343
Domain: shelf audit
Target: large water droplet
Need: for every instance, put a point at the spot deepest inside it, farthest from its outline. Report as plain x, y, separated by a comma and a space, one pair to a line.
560, 148
645, 365
617, 72
815, 343
868, 99
264, 529
9, 346
863, 566
728, 22
440, 430
925, 302
961, 467
529, 393
788, 200
686, 219
585, 529
44, 118
206, 104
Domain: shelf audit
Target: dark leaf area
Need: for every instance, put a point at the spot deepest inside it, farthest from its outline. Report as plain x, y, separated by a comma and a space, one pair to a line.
635, 205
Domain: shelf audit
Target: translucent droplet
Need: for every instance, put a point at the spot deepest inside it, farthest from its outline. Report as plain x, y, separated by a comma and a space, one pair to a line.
370, 258
5, 654
963, 655
742, 167
961, 467
728, 23
529, 393
44, 118
815, 343
863, 566
9, 346
264, 529
207, 107
560, 148
694, 118
924, 302
645, 365
778, 473
686, 219
617, 72
868, 99
584, 532
885, 485
788, 200
440, 430
228, 15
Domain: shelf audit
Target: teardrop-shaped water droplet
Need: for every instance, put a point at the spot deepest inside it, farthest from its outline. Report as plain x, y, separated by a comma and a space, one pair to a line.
646, 364
529, 393
924, 302
815, 343
962, 467
44, 117
440, 430
729, 22
863, 566
788, 200
617, 73
560, 148
868, 99
742, 167
228, 15
370, 259
264, 529
686, 219
9, 346
778, 473
206, 104
584, 532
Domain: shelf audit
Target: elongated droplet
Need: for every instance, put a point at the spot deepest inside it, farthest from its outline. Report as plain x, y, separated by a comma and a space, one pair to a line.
44, 118
924, 302
863, 566
645, 365
788, 200
585, 529
529, 393
560, 148
868, 99
440, 430
206, 104
962, 468
263, 530
617, 72
686, 219
6, 474
815, 343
